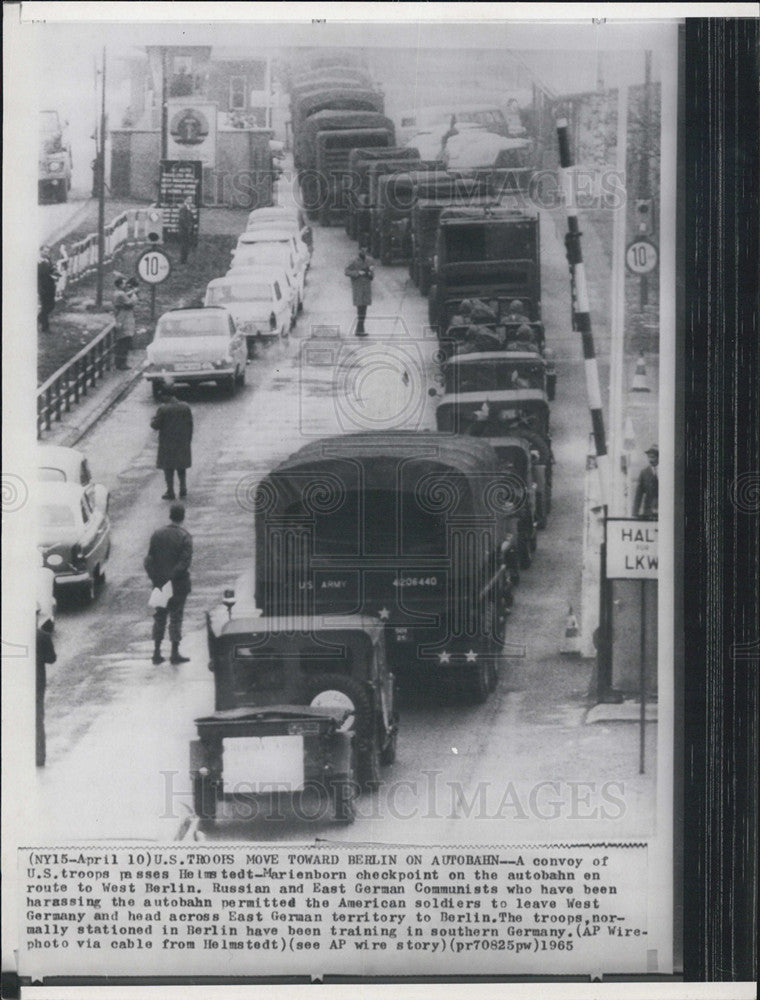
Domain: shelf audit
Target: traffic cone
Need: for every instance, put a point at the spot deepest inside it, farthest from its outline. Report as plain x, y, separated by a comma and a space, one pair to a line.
571, 645
639, 383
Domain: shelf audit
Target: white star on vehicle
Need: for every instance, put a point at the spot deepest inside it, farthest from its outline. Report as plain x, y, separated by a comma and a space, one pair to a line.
384, 614
483, 412
444, 657
471, 656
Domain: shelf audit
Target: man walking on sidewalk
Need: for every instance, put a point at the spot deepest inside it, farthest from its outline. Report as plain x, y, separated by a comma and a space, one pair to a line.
45, 655
174, 423
361, 274
648, 487
169, 556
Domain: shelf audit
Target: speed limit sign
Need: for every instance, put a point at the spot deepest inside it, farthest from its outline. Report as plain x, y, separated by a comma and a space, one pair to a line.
154, 266
641, 257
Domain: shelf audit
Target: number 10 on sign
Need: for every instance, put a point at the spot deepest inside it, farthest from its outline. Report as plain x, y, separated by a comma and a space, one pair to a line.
641, 257
153, 267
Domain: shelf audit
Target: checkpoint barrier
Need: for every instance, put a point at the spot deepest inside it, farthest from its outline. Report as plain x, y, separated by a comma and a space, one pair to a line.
135, 225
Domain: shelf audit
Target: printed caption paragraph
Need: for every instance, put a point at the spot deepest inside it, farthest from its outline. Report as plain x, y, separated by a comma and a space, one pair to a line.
314, 912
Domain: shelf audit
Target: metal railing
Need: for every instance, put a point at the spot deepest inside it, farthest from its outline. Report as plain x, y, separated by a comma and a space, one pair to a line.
131, 226
66, 387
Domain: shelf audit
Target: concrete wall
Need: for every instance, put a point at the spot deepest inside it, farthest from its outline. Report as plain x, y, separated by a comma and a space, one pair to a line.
241, 178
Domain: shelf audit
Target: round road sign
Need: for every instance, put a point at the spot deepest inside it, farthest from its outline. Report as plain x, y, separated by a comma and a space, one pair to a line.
641, 257
154, 266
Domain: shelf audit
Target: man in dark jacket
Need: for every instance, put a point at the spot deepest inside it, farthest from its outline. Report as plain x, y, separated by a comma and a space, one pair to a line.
46, 285
186, 226
169, 557
174, 423
45, 655
648, 487
361, 274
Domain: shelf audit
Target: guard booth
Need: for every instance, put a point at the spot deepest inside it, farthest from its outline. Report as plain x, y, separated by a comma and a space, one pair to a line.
629, 607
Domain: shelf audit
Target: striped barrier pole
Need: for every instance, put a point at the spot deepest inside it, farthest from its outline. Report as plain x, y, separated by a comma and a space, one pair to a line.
581, 312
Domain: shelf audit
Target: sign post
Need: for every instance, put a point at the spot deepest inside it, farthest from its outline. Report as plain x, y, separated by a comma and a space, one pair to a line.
153, 267
631, 550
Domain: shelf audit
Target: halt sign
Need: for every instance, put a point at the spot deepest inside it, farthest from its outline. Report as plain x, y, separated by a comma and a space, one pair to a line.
631, 549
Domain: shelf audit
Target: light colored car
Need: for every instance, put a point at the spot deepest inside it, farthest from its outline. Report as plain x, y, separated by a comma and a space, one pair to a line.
275, 212
197, 345
62, 465
467, 151
283, 277
430, 141
274, 236
74, 534
283, 224
270, 255
258, 302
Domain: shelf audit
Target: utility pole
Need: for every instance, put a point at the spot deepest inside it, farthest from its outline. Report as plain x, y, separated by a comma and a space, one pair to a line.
102, 187
644, 189
617, 339
164, 106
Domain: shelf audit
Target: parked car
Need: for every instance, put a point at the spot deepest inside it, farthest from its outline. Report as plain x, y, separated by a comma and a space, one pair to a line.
275, 234
197, 345
256, 254
258, 301
283, 223
285, 279
63, 465
74, 534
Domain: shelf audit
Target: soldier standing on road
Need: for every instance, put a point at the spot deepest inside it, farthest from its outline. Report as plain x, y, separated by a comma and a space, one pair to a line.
361, 273
186, 224
47, 277
45, 654
174, 423
648, 487
169, 556
124, 301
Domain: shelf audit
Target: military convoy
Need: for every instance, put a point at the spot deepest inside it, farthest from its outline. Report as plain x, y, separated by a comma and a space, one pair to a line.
390, 555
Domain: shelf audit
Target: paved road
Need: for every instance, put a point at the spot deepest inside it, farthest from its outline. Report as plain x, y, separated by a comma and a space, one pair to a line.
57, 219
118, 728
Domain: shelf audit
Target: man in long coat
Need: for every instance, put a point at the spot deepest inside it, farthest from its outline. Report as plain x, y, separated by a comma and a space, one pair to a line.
186, 227
648, 487
46, 286
361, 274
169, 557
174, 423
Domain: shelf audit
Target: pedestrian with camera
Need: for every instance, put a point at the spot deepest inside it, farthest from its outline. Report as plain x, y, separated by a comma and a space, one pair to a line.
361, 273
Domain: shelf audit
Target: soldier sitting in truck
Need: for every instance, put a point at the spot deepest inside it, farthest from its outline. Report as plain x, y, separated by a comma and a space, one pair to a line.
521, 339
516, 313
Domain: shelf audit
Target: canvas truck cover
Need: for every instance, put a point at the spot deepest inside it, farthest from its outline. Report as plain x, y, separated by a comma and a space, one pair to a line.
311, 102
321, 513
332, 121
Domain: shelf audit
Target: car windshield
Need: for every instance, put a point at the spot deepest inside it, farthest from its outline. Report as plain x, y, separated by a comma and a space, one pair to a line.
493, 375
222, 294
56, 515
190, 326
50, 475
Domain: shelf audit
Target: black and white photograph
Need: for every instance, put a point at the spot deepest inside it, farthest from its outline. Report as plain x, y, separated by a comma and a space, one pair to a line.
344, 509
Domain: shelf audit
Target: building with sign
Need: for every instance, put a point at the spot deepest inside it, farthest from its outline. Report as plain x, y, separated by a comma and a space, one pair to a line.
219, 111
